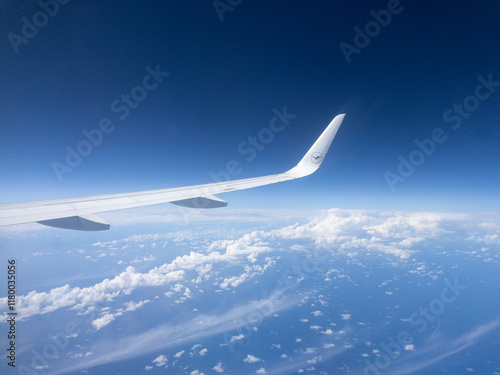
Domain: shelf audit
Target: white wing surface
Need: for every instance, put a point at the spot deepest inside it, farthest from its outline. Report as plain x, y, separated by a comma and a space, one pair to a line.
79, 213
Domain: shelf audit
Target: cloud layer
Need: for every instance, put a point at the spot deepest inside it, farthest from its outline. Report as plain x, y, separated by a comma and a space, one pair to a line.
343, 231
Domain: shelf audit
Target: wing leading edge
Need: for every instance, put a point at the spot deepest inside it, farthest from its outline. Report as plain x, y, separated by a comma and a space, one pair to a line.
79, 213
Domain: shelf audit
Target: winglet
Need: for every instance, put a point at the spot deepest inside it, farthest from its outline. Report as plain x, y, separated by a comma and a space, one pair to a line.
314, 157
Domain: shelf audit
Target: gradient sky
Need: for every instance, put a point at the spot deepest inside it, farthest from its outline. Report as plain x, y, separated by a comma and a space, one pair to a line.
225, 78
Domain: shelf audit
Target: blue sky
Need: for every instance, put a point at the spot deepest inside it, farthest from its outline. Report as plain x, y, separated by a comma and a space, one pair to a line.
226, 77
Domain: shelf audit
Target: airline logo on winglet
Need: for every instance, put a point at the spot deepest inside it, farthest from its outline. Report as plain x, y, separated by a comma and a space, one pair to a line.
316, 157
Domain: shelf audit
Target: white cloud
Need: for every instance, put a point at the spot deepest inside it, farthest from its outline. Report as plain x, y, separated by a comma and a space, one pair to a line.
161, 360
234, 281
410, 225
489, 239
131, 306
218, 368
107, 317
345, 316
390, 233
238, 337
251, 359
103, 320
187, 293
143, 259
178, 354
262, 370
45, 302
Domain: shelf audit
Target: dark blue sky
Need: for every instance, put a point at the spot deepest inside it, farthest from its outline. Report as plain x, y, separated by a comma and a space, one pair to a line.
226, 77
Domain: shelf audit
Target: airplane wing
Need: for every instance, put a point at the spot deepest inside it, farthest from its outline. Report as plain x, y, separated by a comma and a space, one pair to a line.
79, 213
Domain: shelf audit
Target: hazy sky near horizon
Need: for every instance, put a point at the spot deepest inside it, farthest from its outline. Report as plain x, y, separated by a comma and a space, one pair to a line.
179, 89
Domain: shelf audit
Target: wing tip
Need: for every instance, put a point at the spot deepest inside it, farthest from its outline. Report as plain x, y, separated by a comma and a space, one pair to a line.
316, 154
